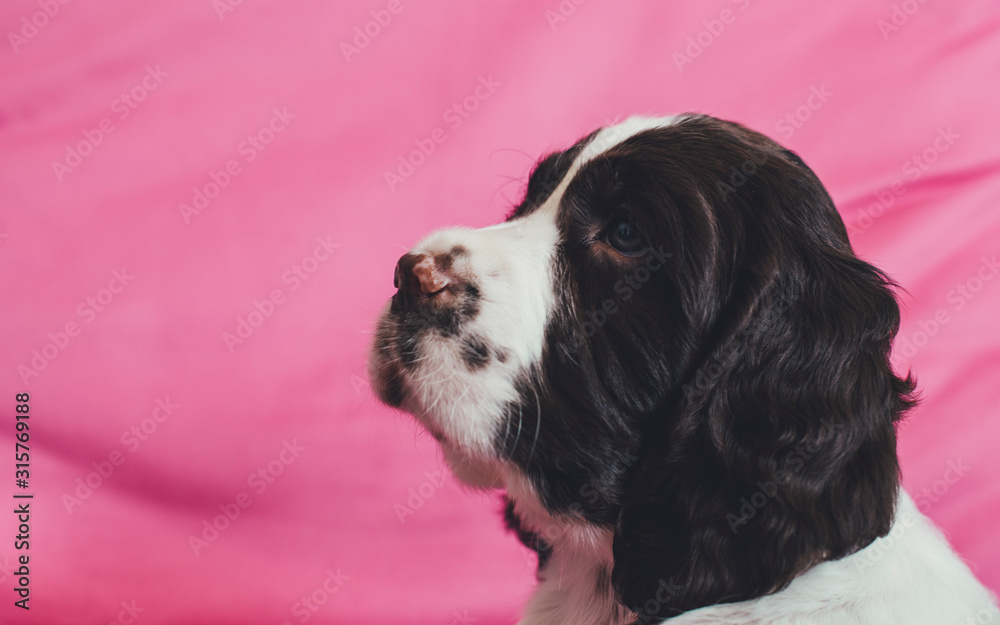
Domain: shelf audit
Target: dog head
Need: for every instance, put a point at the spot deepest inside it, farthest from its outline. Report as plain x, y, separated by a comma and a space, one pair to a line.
668, 344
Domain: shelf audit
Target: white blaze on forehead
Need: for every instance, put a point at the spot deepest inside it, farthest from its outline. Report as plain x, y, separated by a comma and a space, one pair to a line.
611, 136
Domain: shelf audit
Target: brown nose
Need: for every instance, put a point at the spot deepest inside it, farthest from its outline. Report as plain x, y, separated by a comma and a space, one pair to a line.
419, 274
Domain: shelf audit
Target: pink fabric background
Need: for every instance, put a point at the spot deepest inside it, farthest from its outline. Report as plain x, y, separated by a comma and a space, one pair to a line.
868, 101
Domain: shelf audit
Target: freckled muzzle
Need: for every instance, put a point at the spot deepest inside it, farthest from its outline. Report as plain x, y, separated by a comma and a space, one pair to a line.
430, 296
431, 299
465, 323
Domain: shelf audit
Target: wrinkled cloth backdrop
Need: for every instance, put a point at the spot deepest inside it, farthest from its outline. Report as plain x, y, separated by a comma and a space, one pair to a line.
201, 204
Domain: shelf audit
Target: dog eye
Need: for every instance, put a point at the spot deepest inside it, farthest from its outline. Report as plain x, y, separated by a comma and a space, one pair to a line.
625, 238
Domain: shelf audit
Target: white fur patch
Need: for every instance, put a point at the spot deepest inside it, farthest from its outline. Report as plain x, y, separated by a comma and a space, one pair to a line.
575, 585
611, 136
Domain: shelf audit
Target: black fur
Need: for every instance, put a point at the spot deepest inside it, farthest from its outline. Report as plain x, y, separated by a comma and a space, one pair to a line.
547, 175
729, 409
528, 538
475, 353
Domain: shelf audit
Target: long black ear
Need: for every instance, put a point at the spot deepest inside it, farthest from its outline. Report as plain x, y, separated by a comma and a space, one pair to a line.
779, 451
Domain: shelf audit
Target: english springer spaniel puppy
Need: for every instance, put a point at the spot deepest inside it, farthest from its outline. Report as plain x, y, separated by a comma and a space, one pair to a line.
673, 363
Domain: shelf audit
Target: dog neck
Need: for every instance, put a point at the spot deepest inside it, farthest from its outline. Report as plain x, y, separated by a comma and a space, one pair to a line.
575, 563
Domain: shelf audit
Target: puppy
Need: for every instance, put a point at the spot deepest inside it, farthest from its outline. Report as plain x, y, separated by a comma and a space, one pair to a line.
672, 361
